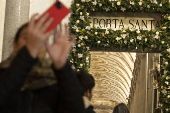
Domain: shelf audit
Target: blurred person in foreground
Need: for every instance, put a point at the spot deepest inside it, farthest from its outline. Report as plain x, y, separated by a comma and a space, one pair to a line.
29, 86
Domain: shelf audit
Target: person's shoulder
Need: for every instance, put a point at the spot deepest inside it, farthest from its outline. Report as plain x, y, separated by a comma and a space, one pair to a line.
6, 63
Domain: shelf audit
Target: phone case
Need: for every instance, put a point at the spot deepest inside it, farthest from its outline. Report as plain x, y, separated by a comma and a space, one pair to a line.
57, 11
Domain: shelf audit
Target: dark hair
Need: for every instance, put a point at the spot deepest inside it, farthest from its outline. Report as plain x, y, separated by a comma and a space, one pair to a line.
19, 32
86, 80
121, 108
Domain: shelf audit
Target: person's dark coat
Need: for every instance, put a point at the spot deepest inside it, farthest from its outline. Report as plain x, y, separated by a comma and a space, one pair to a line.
63, 97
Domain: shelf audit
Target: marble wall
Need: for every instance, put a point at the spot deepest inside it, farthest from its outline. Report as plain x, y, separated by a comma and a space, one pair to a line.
2, 18
16, 14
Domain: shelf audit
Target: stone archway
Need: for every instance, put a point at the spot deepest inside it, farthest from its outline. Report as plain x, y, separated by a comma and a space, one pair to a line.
113, 73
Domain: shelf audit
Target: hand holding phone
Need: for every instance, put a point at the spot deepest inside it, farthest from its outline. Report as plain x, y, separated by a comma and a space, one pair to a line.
57, 11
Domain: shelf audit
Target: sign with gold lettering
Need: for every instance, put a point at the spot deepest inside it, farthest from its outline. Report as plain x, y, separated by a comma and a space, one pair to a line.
147, 22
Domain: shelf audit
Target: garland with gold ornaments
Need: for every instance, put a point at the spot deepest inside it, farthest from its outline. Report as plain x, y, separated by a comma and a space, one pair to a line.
125, 39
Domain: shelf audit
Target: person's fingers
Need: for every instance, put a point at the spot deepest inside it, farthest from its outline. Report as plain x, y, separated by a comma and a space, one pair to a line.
47, 45
42, 20
57, 33
73, 39
47, 24
66, 31
32, 20
46, 35
61, 29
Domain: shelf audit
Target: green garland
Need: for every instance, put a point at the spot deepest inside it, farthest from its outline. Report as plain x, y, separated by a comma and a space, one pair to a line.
122, 40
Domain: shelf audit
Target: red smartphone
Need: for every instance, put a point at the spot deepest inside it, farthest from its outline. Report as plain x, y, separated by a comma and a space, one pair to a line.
57, 11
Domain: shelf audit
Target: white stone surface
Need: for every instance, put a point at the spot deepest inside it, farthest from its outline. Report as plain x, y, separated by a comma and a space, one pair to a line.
2, 17
16, 14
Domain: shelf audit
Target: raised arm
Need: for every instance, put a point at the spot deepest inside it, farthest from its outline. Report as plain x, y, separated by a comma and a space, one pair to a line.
69, 88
